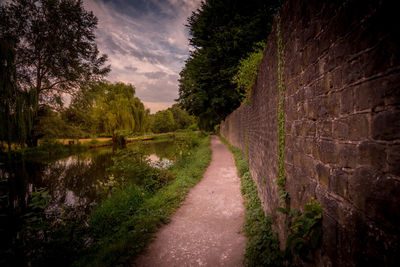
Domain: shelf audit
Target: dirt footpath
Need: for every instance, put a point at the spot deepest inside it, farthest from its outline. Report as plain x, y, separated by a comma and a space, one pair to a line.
207, 229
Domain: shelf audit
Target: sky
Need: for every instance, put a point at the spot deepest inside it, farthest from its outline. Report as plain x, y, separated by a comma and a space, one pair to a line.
146, 43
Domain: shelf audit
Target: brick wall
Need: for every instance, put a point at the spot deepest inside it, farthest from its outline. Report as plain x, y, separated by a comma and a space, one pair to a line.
342, 126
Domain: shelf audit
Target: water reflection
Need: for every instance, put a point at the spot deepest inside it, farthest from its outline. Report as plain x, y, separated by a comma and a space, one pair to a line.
72, 182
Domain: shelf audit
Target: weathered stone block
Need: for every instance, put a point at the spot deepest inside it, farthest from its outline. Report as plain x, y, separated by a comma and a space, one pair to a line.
372, 154
369, 95
347, 101
318, 87
382, 202
323, 173
325, 129
308, 128
354, 127
358, 127
386, 125
308, 145
338, 183
327, 151
322, 107
333, 104
361, 186
347, 155
340, 129
330, 229
311, 108
308, 165
393, 159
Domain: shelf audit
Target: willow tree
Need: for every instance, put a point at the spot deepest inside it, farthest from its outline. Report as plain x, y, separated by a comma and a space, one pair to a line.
117, 109
163, 121
55, 49
16, 114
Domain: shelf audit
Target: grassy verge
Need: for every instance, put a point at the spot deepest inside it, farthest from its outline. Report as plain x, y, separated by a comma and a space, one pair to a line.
125, 223
43, 152
262, 248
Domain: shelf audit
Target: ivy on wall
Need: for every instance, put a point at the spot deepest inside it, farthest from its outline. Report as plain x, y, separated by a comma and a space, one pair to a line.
305, 229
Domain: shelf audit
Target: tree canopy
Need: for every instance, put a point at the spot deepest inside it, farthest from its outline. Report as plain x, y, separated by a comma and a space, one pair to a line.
222, 33
181, 117
117, 109
54, 44
163, 121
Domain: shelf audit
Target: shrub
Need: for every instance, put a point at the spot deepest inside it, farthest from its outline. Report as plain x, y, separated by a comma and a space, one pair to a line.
247, 72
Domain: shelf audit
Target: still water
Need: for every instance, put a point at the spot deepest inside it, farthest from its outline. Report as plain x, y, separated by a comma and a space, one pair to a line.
72, 182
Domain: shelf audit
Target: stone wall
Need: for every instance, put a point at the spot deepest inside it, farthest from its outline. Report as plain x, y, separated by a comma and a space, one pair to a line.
342, 126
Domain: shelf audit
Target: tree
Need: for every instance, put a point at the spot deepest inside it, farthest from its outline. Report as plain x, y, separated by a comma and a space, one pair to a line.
222, 33
181, 117
55, 49
163, 122
79, 114
16, 114
117, 109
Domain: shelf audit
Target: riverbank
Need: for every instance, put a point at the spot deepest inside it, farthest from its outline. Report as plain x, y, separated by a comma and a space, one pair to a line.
132, 230
64, 147
64, 210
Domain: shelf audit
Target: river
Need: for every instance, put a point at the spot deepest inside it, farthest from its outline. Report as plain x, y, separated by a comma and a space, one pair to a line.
73, 183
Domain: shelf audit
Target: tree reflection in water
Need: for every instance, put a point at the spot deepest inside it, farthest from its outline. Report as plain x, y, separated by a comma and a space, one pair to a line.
73, 184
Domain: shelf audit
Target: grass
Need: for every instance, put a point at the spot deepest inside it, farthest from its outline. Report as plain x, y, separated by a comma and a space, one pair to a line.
135, 217
60, 147
44, 152
262, 248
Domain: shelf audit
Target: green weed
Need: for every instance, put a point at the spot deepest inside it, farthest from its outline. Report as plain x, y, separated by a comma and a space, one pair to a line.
306, 231
262, 248
133, 228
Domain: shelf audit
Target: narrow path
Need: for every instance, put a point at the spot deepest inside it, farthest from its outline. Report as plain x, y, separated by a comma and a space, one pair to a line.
207, 229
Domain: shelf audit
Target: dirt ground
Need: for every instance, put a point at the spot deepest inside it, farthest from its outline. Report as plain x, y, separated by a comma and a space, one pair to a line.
207, 229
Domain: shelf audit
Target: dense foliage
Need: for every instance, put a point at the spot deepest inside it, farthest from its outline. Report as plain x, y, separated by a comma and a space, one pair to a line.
247, 71
55, 53
223, 32
163, 122
117, 108
16, 105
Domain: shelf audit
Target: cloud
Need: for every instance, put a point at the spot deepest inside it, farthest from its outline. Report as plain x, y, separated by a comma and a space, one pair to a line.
146, 43
130, 68
155, 75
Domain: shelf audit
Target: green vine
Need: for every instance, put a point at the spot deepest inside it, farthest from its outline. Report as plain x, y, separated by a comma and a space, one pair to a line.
305, 228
